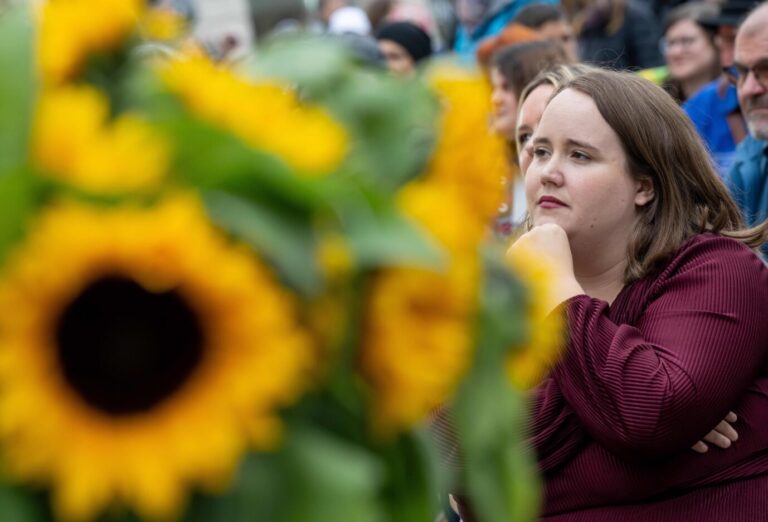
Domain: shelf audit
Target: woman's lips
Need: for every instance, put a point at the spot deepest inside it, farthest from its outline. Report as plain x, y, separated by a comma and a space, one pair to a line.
550, 202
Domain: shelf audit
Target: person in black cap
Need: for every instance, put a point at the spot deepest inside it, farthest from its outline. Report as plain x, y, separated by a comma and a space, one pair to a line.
404, 45
715, 110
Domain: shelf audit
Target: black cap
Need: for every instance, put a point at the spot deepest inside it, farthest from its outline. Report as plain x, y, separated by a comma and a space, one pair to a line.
732, 13
410, 36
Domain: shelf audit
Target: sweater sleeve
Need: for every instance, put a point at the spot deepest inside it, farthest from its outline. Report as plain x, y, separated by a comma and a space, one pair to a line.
659, 386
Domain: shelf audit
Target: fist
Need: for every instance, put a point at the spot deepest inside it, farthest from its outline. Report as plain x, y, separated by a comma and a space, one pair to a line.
548, 243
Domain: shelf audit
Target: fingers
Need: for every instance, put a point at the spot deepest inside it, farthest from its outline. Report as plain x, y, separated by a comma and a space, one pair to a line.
725, 429
718, 439
700, 447
454, 504
722, 436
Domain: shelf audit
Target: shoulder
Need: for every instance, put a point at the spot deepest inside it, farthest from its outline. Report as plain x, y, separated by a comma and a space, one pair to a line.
748, 155
718, 260
750, 149
706, 98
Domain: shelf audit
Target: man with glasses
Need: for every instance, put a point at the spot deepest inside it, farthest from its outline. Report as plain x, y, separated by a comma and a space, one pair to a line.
748, 179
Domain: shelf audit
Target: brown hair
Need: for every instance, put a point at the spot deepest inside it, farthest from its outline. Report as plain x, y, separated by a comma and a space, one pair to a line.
662, 145
519, 64
581, 10
557, 76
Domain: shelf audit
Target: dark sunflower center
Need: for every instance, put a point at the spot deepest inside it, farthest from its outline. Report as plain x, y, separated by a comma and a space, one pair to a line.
125, 349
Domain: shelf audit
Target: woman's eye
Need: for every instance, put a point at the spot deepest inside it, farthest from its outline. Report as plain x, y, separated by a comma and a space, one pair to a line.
579, 155
523, 138
540, 152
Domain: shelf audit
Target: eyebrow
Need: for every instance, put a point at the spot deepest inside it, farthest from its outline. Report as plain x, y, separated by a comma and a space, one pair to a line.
570, 142
580, 144
763, 62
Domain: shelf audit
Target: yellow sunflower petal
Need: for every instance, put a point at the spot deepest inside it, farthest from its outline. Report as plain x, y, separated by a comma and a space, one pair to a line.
526, 365
71, 30
74, 141
265, 115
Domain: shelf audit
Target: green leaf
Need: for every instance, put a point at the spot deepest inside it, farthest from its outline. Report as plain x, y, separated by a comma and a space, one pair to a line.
19, 506
500, 472
381, 236
503, 304
18, 200
288, 243
411, 491
17, 85
212, 159
331, 480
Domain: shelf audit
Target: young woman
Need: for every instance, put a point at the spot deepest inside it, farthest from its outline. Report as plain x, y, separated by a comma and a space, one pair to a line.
511, 69
689, 50
666, 311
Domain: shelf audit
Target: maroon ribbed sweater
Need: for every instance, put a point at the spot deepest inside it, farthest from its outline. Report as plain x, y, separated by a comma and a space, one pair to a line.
646, 377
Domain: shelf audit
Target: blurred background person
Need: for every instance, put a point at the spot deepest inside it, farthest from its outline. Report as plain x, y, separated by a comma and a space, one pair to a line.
511, 69
512, 34
715, 110
621, 34
748, 178
404, 45
479, 19
551, 23
349, 19
689, 50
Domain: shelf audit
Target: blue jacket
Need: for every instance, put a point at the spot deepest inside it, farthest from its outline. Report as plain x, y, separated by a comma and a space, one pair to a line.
501, 13
709, 109
748, 181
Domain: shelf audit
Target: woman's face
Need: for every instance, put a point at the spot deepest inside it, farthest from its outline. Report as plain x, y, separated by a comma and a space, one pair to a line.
689, 52
504, 105
528, 120
397, 57
578, 178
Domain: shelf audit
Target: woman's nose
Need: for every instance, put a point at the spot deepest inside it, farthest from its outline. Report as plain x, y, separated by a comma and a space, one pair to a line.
551, 174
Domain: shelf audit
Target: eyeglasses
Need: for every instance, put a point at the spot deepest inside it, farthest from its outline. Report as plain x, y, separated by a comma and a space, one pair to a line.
684, 42
737, 73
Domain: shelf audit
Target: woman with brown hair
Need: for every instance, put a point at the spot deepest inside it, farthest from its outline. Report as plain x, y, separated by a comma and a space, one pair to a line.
666, 314
689, 49
511, 68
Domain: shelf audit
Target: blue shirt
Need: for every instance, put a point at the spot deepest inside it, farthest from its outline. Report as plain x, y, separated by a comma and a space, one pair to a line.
748, 181
708, 109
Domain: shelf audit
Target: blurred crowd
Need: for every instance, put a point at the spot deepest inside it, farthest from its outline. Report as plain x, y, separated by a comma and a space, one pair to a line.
683, 46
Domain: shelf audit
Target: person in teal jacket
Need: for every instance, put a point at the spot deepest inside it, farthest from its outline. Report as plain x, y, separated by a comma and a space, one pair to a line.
479, 19
748, 181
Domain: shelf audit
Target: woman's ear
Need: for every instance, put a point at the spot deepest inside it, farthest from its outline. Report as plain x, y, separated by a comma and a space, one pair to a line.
645, 192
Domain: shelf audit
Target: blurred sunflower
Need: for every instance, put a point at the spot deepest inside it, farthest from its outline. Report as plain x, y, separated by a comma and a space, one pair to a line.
419, 322
527, 364
267, 116
143, 355
468, 156
74, 141
72, 30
